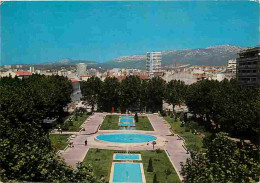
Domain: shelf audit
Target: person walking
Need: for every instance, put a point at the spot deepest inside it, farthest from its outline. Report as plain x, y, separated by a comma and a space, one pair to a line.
86, 142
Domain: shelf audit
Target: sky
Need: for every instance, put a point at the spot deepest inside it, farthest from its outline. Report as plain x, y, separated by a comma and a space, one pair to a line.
38, 32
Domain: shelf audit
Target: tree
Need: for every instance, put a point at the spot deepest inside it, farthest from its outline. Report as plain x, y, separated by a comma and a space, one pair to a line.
26, 154
224, 161
110, 94
90, 90
150, 166
175, 92
136, 117
155, 178
155, 90
130, 93
144, 99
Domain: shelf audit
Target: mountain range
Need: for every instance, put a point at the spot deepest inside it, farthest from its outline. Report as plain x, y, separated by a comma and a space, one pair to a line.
214, 55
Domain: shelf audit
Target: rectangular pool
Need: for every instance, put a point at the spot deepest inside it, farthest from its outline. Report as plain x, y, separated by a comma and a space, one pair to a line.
127, 173
127, 156
126, 122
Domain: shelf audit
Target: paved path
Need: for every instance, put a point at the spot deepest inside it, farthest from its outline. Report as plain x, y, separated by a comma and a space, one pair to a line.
173, 146
79, 151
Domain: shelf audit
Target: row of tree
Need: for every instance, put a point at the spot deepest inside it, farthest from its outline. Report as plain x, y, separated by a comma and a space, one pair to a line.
131, 94
25, 151
226, 106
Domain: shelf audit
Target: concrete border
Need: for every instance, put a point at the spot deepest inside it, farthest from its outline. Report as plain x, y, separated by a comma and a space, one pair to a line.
113, 166
139, 155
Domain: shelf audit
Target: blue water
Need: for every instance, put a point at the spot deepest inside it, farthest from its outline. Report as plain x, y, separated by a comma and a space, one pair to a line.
127, 172
126, 121
127, 157
126, 137
122, 120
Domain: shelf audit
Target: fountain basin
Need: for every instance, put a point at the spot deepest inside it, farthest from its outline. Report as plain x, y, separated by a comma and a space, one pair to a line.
126, 138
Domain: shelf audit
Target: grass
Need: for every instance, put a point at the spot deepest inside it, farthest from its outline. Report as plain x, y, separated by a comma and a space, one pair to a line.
111, 123
194, 142
101, 162
75, 124
143, 124
58, 141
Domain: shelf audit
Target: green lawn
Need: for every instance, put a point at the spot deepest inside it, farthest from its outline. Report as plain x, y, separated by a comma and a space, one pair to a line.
75, 124
101, 162
111, 123
194, 142
144, 124
58, 141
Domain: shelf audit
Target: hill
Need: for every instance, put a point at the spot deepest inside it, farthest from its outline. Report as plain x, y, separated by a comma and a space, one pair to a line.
216, 55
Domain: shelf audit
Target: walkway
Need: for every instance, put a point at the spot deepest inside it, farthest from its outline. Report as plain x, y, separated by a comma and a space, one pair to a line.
173, 146
79, 151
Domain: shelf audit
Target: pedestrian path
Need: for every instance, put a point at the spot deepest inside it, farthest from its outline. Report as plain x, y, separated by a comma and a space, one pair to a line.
173, 146
78, 152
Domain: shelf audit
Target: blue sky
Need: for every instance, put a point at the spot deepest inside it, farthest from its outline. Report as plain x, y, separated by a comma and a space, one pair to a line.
37, 32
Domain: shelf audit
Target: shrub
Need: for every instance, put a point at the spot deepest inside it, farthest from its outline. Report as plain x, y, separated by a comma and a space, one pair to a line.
155, 178
150, 166
136, 117
187, 129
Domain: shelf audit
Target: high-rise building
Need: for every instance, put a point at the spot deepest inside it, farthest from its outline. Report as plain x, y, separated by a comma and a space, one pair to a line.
153, 61
232, 66
248, 67
32, 69
81, 68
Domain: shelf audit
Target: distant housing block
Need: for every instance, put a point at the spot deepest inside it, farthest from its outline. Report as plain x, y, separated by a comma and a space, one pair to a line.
248, 66
153, 61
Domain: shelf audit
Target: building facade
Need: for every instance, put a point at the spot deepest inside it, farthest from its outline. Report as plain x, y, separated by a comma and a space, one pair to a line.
248, 66
232, 66
153, 61
81, 68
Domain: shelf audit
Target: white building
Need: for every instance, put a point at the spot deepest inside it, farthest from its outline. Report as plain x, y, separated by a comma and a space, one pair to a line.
153, 61
81, 68
232, 66
31, 69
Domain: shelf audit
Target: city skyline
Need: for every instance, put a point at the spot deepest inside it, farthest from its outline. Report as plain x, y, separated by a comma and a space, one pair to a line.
101, 31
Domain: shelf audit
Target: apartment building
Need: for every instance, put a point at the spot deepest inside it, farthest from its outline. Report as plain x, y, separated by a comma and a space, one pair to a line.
153, 61
248, 66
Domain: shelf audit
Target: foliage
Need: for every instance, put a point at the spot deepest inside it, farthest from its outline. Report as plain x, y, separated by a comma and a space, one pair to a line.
90, 90
26, 153
130, 93
109, 94
150, 166
224, 161
175, 92
226, 106
136, 117
155, 178
156, 93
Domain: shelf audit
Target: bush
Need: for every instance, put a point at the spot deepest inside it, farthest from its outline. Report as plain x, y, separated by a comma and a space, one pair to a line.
150, 166
136, 117
155, 178
187, 129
